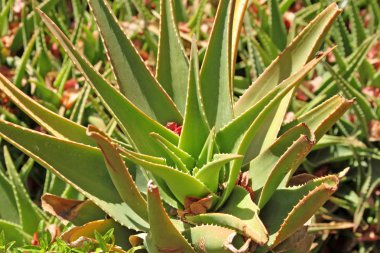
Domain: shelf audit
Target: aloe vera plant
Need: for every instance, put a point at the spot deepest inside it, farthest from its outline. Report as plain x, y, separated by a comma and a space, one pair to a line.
200, 172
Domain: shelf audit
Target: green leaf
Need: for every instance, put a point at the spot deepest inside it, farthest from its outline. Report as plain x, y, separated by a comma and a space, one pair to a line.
294, 57
209, 173
134, 79
182, 159
358, 25
163, 234
215, 74
181, 184
14, 232
268, 170
119, 173
295, 206
241, 205
277, 30
53, 123
237, 24
122, 109
172, 63
322, 117
78, 212
219, 239
230, 136
195, 122
20, 71
7, 198
90, 176
29, 213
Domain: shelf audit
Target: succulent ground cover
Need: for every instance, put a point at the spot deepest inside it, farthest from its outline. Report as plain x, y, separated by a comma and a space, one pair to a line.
187, 126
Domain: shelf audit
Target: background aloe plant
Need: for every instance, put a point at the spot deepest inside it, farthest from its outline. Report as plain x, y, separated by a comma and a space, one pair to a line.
231, 165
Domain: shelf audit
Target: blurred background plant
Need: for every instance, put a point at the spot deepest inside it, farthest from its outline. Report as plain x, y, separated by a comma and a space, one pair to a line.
33, 61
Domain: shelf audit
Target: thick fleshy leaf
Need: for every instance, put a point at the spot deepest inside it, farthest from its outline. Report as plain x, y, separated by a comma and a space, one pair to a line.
227, 221
134, 79
219, 239
237, 136
101, 226
300, 51
78, 212
181, 158
119, 173
260, 167
195, 122
237, 205
322, 117
14, 232
277, 30
53, 123
240, 214
215, 74
209, 173
181, 184
29, 213
122, 109
163, 234
268, 170
61, 156
295, 206
7, 198
172, 63
230, 136
208, 150
237, 24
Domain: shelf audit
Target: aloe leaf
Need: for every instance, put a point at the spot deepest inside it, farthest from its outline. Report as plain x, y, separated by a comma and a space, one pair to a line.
237, 24
358, 25
181, 184
209, 173
20, 71
134, 79
61, 156
230, 136
227, 221
362, 107
269, 130
195, 122
323, 117
121, 108
7, 198
119, 173
215, 74
268, 170
300, 51
171, 74
208, 150
14, 232
163, 234
30, 215
278, 30
345, 36
295, 206
101, 226
53, 123
237, 204
219, 239
182, 159
78, 212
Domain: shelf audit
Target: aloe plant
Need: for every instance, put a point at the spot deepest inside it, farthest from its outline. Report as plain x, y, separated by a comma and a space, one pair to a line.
200, 172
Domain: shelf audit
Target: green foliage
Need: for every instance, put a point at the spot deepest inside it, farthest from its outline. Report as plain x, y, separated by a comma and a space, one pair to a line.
212, 188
